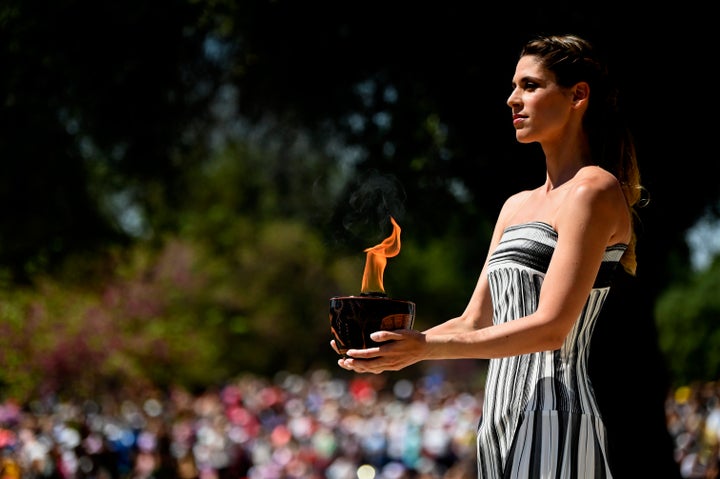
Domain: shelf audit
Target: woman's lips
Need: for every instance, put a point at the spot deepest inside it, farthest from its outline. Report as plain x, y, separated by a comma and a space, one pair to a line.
518, 120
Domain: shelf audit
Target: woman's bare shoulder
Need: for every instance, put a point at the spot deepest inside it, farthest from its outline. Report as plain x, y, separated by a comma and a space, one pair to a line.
596, 178
510, 209
597, 193
516, 200
596, 187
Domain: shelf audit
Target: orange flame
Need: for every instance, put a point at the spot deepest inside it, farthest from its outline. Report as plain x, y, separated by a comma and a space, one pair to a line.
376, 260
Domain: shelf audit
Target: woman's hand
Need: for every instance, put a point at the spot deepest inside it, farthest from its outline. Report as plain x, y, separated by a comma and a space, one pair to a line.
398, 349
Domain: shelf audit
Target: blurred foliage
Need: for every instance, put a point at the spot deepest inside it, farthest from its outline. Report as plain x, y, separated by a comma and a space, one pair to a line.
187, 182
242, 286
687, 315
99, 104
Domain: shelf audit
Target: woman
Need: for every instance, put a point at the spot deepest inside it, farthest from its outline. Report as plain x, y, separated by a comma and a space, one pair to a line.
549, 268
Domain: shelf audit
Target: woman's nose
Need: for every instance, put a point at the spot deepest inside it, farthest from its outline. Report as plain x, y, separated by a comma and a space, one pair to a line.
513, 99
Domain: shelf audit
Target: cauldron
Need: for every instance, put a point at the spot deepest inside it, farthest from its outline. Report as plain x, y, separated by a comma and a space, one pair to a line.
354, 318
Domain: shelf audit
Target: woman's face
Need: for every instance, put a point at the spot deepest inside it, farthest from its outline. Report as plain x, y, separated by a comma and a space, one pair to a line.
540, 107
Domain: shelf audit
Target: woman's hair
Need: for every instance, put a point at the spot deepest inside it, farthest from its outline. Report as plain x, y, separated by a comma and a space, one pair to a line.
572, 60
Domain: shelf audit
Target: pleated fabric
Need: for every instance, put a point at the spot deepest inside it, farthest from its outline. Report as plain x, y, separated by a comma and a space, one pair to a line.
540, 419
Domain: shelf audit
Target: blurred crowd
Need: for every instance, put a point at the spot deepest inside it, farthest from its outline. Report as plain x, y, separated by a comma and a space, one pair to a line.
290, 427
693, 415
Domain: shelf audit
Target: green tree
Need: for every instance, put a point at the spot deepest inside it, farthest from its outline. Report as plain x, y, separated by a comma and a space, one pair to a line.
687, 315
98, 99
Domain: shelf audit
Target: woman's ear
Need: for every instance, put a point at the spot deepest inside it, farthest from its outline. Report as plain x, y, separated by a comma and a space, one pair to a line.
581, 93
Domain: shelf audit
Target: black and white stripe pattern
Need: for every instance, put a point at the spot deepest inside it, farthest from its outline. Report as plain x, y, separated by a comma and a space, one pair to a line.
540, 418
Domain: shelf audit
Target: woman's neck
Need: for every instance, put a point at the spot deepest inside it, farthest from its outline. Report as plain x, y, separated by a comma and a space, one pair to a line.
563, 159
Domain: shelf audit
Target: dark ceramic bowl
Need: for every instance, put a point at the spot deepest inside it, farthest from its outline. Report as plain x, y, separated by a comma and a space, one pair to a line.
354, 318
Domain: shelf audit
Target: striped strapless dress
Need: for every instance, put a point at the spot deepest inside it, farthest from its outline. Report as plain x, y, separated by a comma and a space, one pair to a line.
540, 419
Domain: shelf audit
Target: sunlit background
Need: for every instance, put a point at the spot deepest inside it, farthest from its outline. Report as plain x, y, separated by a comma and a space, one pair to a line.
186, 183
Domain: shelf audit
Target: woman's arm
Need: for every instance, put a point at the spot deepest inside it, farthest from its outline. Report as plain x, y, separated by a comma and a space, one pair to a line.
477, 314
592, 216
